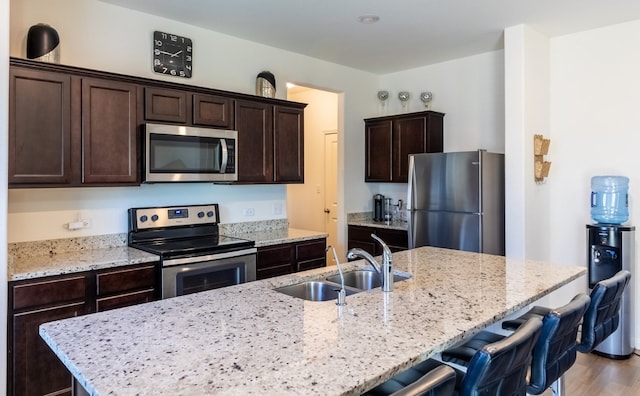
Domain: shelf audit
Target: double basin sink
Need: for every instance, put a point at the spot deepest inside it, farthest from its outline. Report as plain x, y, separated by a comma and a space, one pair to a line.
324, 290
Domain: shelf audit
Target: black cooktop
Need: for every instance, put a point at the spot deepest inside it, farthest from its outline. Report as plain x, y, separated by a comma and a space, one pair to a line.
193, 246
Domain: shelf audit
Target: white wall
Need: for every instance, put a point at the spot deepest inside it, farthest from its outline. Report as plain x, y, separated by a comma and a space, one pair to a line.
526, 114
4, 124
595, 122
470, 91
89, 38
305, 202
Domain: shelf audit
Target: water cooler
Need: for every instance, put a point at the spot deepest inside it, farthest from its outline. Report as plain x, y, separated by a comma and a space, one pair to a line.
611, 249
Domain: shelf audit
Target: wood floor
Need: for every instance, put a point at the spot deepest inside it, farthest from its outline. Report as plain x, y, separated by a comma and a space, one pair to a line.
593, 375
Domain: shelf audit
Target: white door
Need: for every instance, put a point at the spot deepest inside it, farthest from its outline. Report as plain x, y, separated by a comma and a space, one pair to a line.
331, 192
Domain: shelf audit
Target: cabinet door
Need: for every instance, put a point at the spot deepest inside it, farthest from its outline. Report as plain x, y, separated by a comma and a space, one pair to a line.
109, 132
215, 111
39, 127
397, 240
409, 137
254, 123
36, 369
310, 255
288, 140
168, 105
378, 154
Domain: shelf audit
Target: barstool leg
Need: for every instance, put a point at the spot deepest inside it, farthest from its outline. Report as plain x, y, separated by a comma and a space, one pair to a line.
557, 388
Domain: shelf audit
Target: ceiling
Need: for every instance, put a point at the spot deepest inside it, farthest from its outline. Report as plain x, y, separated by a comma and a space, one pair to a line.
409, 34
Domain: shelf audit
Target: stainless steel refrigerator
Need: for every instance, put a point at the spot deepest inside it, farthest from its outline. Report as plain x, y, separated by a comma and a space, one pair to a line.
456, 200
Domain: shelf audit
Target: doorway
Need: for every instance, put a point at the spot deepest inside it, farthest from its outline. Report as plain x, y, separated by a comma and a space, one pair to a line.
314, 205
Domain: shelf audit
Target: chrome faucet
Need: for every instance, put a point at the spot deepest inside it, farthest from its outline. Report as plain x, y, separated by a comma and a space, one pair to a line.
342, 294
385, 271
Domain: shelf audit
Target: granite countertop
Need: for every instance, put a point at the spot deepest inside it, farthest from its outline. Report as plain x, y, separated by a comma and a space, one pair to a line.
279, 236
366, 220
30, 260
251, 339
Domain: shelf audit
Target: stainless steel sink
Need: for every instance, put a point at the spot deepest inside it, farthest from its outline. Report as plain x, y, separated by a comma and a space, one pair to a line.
315, 290
363, 279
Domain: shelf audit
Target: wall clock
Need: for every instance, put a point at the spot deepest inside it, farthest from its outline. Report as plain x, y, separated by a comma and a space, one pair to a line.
172, 54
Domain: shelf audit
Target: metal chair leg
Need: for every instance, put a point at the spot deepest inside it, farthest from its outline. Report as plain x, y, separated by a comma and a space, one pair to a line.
557, 388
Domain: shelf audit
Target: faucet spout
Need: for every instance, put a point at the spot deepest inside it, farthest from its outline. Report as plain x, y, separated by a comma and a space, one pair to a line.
357, 253
385, 271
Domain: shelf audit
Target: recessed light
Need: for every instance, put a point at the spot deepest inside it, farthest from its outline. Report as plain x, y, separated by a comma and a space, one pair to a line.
368, 19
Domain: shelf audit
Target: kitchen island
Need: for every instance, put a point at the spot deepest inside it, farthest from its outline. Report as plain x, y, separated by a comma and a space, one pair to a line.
251, 339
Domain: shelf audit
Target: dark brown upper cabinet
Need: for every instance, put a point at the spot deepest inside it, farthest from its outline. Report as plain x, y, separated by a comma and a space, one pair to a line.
183, 107
39, 127
72, 127
270, 142
390, 140
67, 131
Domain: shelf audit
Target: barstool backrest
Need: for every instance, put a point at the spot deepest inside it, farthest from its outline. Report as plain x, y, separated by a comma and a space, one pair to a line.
555, 351
501, 368
603, 315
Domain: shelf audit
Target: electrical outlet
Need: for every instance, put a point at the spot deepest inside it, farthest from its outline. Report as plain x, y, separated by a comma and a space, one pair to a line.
249, 212
277, 208
76, 225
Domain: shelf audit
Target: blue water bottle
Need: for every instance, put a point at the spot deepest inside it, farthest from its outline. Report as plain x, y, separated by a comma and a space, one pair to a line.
610, 199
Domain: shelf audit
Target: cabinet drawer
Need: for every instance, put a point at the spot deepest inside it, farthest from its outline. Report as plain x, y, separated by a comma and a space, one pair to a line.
310, 250
124, 300
49, 292
125, 280
396, 238
361, 233
274, 256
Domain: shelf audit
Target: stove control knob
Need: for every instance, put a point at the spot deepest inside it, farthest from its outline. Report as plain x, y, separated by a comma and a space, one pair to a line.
200, 214
210, 213
154, 218
143, 218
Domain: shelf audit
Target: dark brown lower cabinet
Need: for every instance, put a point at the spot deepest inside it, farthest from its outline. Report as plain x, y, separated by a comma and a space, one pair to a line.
32, 368
291, 257
360, 237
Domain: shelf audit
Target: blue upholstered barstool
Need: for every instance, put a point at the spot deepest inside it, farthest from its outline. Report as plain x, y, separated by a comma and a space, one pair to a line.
556, 349
499, 368
603, 315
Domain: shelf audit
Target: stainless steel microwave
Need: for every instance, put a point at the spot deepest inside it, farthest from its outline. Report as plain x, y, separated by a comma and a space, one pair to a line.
173, 153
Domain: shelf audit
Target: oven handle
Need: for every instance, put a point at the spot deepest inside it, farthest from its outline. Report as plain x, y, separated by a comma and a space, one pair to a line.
210, 257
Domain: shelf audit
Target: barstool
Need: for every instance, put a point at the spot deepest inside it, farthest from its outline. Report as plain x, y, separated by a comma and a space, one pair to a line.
556, 350
602, 316
499, 368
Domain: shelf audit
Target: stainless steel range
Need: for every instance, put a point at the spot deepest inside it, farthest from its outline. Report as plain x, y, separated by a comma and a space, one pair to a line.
193, 255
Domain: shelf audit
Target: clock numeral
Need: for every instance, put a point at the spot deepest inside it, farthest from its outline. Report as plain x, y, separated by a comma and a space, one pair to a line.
156, 62
156, 51
174, 37
188, 58
182, 73
189, 49
188, 67
164, 35
158, 43
173, 72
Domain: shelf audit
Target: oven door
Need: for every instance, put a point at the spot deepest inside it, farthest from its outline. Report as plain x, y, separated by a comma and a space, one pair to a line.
195, 274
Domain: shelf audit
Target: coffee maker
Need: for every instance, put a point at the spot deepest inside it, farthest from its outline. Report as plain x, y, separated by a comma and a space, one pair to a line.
378, 207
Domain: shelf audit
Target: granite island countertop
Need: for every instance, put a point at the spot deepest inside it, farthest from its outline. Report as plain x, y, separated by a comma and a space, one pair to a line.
251, 339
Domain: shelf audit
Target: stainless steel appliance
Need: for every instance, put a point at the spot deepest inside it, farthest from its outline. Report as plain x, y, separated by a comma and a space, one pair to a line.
193, 255
456, 200
611, 248
173, 153
378, 211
